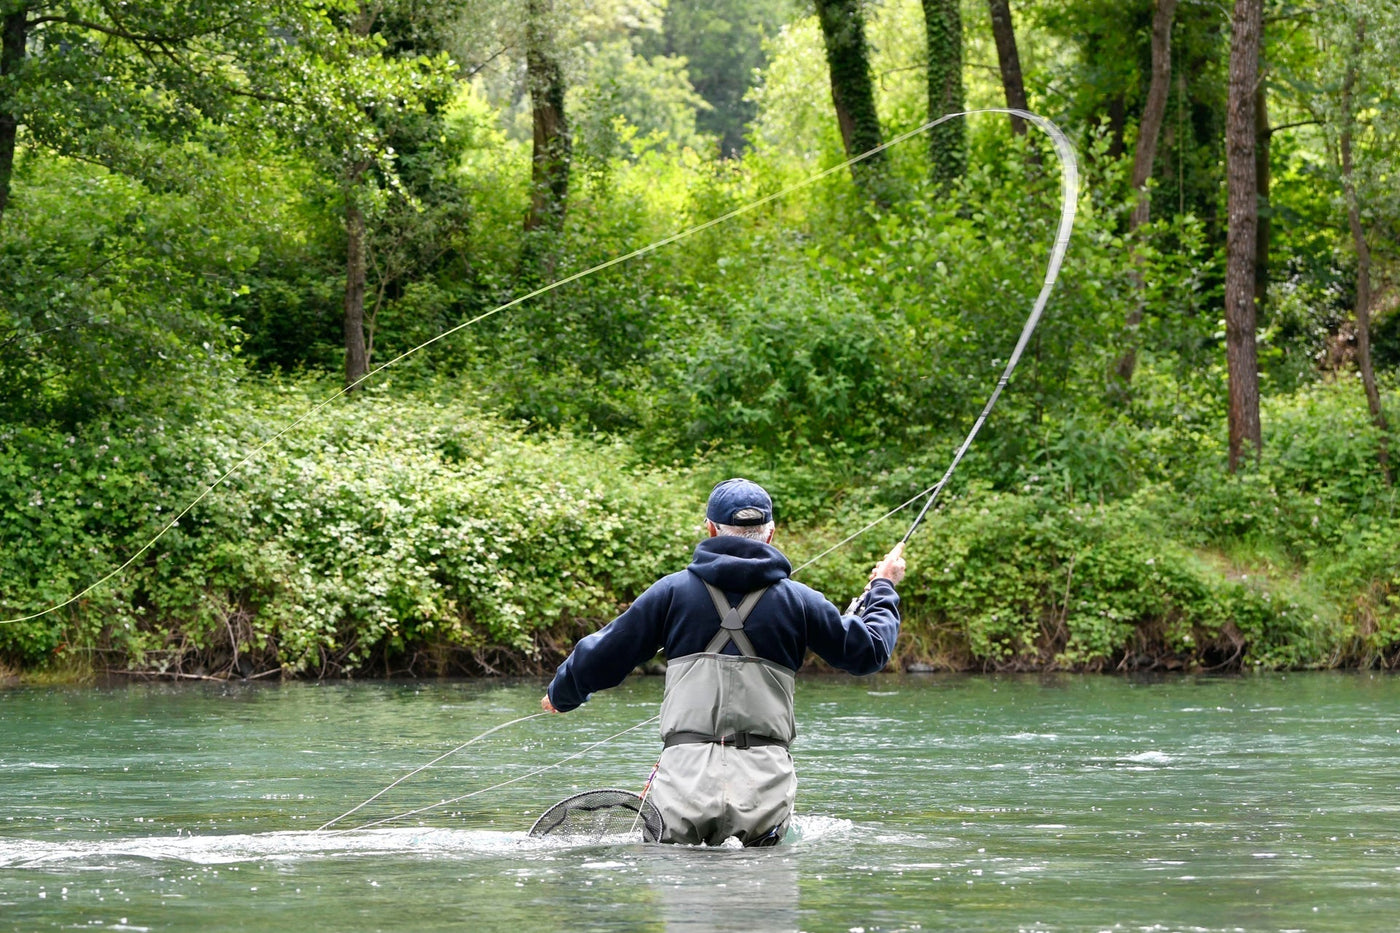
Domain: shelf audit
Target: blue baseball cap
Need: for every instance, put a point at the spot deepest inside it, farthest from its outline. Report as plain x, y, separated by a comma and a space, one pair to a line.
739, 502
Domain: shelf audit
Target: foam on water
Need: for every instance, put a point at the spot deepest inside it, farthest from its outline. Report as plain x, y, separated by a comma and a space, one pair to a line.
300, 845
251, 847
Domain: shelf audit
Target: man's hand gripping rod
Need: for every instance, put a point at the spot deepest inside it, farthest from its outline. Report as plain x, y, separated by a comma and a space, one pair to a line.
890, 568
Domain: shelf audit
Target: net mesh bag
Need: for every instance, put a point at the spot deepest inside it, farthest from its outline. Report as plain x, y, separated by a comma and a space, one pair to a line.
595, 814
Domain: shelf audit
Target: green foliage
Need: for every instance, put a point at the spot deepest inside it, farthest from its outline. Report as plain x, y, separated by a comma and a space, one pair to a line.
834, 348
412, 532
1370, 552
118, 85
780, 370
75, 505
1317, 484
113, 297
392, 526
722, 46
1029, 581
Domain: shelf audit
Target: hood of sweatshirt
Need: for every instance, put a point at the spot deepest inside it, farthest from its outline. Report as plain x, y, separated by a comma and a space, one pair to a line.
739, 565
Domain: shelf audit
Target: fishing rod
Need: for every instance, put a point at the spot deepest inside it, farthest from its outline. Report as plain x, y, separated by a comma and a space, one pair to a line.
1069, 197
1069, 189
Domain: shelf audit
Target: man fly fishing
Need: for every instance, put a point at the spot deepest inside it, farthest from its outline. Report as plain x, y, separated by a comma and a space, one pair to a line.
735, 628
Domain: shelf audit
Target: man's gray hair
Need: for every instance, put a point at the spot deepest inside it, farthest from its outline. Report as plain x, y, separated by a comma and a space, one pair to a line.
756, 532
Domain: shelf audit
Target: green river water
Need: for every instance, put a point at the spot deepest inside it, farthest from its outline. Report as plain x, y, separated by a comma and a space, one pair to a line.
925, 803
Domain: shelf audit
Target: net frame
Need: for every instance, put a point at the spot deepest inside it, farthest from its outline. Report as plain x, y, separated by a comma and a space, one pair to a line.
595, 814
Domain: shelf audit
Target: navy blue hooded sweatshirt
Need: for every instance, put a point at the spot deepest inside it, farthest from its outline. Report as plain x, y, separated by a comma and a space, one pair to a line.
677, 615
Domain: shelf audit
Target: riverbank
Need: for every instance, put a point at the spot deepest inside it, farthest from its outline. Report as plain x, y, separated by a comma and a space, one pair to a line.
414, 534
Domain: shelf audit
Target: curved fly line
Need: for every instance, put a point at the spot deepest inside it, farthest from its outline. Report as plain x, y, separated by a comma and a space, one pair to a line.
1069, 199
476, 793
1069, 175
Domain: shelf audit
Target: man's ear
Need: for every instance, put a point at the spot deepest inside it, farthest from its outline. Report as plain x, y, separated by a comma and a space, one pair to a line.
769, 539
711, 528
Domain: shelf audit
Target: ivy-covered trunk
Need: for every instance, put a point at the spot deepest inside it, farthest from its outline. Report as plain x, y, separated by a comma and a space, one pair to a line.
16, 31
947, 141
1241, 354
852, 93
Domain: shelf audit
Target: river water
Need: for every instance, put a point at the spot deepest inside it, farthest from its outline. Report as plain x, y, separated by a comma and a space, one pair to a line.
925, 802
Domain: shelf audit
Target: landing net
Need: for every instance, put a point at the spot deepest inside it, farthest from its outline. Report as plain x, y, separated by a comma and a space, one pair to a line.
596, 814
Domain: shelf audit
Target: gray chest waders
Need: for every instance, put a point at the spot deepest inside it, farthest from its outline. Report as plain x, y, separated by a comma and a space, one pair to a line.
726, 721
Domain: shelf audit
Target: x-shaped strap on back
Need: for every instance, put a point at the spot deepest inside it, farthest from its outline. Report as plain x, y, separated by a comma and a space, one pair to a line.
732, 619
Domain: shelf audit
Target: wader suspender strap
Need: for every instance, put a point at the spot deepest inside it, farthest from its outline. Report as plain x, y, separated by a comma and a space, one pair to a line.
732, 618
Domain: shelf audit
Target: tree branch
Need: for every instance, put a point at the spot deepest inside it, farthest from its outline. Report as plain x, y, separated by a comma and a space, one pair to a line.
1288, 126
95, 27
162, 44
117, 32
17, 335
472, 71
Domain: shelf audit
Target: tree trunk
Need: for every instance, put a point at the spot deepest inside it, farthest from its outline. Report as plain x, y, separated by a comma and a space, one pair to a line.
1263, 141
1117, 127
852, 92
1363, 255
356, 353
1241, 352
356, 356
1011, 82
549, 172
1154, 112
12, 43
947, 141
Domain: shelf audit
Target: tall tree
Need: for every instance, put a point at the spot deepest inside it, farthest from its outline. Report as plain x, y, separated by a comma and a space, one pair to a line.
549, 173
1110, 81
1009, 60
357, 92
1241, 352
126, 85
1153, 112
1149, 131
852, 93
15, 26
947, 141
353, 319
1361, 245
103, 82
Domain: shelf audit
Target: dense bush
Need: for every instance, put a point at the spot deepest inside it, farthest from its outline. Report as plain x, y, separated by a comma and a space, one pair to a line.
111, 297
383, 527
1026, 581
411, 531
